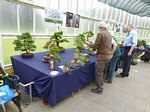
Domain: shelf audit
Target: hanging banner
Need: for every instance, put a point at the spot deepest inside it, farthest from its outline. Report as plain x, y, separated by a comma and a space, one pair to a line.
53, 16
72, 20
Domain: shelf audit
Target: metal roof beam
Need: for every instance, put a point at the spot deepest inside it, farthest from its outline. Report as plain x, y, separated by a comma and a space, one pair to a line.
126, 3
135, 3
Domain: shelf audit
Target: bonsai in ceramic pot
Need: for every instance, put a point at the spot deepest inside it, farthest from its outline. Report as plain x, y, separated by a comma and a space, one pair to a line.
57, 38
25, 43
53, 56
79, 42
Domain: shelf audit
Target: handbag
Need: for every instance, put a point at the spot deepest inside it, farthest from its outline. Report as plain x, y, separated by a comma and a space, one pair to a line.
6, 94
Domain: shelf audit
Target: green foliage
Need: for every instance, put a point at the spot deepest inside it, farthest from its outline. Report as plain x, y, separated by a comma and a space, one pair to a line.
79, 41
24, 42
83, 58
56, 38
89, 34
49, 42
54, 51
142, 43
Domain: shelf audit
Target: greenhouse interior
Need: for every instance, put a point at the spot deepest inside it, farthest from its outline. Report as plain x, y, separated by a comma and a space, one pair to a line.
74, 55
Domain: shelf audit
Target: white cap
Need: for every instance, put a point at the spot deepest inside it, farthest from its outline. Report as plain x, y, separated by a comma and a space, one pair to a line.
102, 24
108, 27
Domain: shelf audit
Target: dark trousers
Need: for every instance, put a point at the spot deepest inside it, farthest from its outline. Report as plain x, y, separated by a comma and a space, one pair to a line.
100, 72
127, 61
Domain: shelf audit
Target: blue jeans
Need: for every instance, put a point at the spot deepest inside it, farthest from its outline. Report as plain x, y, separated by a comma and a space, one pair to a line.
111, 69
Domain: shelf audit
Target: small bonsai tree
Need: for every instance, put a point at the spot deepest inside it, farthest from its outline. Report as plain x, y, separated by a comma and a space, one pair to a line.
83, 58
57, 38
142, 43
79, 42
53, 53
88, 35
24, 43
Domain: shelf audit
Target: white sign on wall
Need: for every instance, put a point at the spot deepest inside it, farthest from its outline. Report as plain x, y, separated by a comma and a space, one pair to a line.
1, 51
53, 16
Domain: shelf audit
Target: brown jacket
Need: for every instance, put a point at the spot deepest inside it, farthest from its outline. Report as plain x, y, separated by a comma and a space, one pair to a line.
103, 44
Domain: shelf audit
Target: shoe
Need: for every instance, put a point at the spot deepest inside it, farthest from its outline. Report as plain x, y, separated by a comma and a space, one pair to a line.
120, 76
108, 81
124, 75
97, 90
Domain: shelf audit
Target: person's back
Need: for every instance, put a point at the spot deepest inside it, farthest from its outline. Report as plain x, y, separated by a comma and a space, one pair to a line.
104, 41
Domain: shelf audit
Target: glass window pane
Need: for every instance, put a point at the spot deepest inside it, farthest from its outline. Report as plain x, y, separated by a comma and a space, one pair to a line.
91, 27
81, 5
40, 24
70, 31
40, 2
74, 6
26, 19
51, 28
63, 27
88, 7
8, 18
63, 5
85, 25
28, 1
54, 4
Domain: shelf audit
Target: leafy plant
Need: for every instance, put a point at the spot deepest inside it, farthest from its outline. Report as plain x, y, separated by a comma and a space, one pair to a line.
24, 42
142, 43
79, 41
83, 58
88, 34
53, 52
56, 38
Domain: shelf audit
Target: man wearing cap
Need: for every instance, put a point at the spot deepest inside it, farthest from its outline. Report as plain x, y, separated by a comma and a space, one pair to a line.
104, 54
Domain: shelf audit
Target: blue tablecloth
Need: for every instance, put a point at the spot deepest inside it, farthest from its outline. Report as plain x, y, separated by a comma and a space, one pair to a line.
53, 88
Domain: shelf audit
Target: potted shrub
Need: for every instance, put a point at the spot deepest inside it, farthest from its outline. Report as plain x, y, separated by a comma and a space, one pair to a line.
56, 38
79, 42
53, 56
84, 59
88, 35
142, 43
25, 43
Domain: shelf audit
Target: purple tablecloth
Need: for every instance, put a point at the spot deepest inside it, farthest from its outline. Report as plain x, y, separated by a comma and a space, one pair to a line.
49, 87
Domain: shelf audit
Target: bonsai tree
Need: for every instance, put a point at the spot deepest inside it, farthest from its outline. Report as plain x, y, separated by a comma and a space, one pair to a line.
83, 59
57, 38
25, 43
88, 35
79, 42
53, 53
142, 43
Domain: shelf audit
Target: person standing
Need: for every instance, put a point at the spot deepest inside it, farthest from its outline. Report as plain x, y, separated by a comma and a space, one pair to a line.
129, 44
104, 54
112, 64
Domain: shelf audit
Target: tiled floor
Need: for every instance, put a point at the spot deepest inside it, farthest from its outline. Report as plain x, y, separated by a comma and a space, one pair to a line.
130, 94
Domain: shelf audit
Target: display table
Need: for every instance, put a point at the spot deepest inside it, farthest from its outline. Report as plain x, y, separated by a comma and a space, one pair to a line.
50, 87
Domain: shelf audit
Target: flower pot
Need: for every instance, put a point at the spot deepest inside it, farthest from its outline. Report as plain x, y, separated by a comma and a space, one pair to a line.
65, 69
61, 49
27, 55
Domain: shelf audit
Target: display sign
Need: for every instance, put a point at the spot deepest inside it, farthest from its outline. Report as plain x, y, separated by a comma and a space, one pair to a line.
53, 16
72, 20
